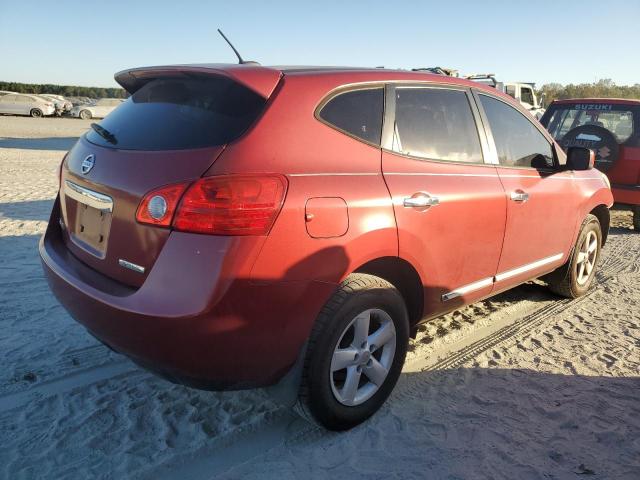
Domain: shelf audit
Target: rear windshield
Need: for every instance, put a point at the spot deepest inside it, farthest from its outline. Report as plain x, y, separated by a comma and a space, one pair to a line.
180, 113
618, 119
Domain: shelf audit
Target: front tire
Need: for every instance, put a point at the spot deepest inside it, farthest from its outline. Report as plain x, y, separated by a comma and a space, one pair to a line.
85, 114
636, 218
574, 278
355, 353
36, 113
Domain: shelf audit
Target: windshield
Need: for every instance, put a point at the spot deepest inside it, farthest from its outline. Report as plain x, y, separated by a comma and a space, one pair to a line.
618, 119
180, 113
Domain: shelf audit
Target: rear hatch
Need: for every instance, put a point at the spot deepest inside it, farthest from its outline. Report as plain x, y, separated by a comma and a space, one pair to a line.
609, 128
172, 128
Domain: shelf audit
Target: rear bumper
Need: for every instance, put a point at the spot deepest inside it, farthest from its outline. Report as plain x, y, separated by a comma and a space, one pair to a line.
194, 320
626, 194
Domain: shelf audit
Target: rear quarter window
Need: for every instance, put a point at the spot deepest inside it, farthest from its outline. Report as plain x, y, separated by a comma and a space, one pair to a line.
181, 113
357, 113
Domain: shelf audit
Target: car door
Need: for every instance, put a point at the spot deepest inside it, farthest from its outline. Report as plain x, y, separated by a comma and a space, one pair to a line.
24, 104
449, 204
542, 200
8, 104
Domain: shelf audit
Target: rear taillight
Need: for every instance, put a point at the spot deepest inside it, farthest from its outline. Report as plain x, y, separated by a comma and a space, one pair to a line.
158, 206
219, 205
231, 205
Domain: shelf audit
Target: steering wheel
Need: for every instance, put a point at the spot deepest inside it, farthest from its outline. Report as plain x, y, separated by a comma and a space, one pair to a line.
598, 139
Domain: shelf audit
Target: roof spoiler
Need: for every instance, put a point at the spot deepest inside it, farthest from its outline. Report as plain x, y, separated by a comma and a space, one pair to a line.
261, 80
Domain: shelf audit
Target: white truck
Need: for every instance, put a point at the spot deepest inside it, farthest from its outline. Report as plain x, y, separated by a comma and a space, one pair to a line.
521, 91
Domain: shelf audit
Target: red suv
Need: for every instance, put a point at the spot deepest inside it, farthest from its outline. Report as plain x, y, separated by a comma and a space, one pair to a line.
230, 224
610, 127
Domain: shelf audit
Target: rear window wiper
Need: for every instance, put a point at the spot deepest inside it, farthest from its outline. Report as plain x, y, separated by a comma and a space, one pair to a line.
104, 133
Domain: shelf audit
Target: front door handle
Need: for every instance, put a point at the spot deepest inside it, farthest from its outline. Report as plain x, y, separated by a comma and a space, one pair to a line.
519, 196
421, 200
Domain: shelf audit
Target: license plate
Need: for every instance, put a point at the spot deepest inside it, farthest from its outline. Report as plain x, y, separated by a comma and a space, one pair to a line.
93, 227
88, 217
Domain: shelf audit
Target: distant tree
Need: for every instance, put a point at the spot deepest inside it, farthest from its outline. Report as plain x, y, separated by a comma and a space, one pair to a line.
604, 88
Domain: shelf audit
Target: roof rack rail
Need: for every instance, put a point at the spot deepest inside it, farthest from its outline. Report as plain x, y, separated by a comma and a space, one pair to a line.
487, 79
449, 72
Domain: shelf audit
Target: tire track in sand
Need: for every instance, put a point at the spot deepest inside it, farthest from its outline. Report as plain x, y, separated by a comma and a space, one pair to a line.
609, 267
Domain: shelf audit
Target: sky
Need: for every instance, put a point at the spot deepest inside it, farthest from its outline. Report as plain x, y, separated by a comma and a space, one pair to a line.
73, 42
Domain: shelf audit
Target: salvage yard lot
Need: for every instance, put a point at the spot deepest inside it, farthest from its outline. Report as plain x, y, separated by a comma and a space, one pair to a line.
524, 385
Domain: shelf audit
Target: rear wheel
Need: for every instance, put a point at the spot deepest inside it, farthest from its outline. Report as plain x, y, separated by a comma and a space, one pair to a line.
85, 114
36, 113
636, 218
355, 353
574, 278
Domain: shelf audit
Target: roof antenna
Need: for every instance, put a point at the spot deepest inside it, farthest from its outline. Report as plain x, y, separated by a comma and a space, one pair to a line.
240, 60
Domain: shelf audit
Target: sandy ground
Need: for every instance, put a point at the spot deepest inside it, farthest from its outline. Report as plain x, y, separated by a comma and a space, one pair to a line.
522, 386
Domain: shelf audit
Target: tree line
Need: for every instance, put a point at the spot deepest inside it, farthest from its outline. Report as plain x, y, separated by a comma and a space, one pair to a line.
605, 88
64, 90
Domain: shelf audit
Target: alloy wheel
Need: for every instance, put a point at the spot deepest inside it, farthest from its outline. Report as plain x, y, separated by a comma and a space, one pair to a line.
363, 357
587, 256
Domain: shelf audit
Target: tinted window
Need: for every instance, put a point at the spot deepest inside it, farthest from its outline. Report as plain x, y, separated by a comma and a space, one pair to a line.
358, 112
519, 142
181, 113
436, 124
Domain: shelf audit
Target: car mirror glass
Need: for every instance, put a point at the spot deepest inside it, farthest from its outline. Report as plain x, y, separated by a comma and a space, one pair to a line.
579, 158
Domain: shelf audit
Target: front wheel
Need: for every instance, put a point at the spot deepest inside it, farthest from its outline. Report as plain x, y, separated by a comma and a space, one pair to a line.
355, 353
574, 278
85, 114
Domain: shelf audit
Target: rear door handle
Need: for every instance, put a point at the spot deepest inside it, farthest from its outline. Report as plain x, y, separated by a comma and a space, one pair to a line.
519, 196
421, 200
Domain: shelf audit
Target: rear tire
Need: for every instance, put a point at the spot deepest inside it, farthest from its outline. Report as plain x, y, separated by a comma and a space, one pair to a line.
85, 114
636, 218
36, 113
574, 278
337, 390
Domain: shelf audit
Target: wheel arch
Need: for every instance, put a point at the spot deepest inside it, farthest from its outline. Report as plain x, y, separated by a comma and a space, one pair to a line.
603, 215
404, 277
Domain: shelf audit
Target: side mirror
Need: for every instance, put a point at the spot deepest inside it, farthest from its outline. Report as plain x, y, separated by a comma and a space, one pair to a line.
579, 158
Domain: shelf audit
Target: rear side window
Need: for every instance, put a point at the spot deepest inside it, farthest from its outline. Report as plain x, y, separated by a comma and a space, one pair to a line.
518, 141
181, 113
357, 112
436, 124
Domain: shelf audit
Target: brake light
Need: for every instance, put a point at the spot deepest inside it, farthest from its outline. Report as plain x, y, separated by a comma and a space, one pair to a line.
158, 206
231, 205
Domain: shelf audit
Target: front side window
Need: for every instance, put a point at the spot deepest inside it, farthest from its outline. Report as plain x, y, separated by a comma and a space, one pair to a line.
436, 124
526, 95
518, 141
616, 118
357, 112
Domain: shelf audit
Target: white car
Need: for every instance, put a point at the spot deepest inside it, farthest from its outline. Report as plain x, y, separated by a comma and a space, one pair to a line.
20, 104
101, 109
62, 104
